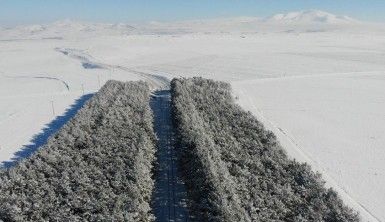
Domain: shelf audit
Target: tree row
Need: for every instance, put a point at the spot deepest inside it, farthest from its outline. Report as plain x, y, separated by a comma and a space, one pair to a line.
235, 170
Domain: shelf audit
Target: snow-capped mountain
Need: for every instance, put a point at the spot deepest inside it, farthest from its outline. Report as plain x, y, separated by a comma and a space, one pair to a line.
66, 28
311, 16
292, 22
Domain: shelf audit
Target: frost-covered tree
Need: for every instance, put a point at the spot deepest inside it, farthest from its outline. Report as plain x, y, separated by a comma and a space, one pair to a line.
96, 168
235, 169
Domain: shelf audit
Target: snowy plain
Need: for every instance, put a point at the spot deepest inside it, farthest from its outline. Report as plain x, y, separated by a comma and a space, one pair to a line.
315, 79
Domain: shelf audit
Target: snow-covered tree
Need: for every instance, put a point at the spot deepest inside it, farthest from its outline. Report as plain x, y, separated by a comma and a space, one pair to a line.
96, 168
235, 169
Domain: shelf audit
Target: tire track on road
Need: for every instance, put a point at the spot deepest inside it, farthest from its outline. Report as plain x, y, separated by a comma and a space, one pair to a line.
169, 198
157, 82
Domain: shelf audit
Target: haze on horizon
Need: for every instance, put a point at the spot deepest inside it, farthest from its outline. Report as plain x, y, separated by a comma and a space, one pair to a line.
18, 12
312, 72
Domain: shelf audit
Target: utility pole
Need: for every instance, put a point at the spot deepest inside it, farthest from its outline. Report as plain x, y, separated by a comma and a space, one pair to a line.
53, 108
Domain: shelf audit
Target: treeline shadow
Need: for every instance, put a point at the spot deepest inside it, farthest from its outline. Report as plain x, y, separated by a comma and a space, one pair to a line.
40, 139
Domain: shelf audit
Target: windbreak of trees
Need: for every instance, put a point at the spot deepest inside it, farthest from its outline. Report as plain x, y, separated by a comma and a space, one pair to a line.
234, 168
96, 168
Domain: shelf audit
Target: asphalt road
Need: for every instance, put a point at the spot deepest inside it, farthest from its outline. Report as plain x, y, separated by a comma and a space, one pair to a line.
169, 199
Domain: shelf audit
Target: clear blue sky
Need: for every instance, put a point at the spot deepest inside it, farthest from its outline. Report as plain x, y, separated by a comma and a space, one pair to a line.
40, 11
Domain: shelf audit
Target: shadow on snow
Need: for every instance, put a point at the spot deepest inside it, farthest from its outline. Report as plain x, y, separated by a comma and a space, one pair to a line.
40, 139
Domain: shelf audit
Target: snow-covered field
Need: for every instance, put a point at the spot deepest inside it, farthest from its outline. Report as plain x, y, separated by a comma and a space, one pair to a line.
315, 79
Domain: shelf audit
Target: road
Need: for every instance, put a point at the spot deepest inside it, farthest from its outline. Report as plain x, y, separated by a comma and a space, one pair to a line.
169, 201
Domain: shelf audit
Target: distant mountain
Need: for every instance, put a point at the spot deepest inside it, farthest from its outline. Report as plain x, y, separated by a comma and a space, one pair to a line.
66, 29
89, 27
34, 28
292, 22
311, 16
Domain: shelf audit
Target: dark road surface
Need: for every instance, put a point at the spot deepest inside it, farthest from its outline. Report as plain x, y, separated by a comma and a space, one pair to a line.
169, 201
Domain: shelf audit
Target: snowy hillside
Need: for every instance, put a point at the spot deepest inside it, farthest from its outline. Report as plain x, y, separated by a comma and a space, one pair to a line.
312, 16
304, 21
315, 78
66, 29
293, 22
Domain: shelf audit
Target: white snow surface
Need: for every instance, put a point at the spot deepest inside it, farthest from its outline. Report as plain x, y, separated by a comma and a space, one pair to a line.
316, 79
311, 16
